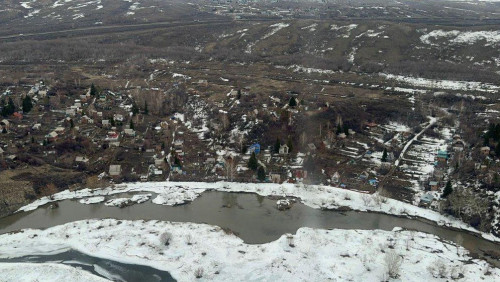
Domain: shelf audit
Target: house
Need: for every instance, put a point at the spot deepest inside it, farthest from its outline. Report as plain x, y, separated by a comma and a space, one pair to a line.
81, 160
485, 151
59, 130
113, 136
178, 144
275, 177
115, 170
342, 136
254, 148
177, 169
426, 200
458, 145
129, 132
4, 124
52, 136
118, 117
70, 112
434, 185
233, 93
284, 149
442, 156
105, 123
36, 126
364, 175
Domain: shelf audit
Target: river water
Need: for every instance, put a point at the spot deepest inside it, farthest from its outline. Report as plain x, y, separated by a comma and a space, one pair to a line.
253, 218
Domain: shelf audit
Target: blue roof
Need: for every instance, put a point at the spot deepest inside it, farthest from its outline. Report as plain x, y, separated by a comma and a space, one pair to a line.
255, 148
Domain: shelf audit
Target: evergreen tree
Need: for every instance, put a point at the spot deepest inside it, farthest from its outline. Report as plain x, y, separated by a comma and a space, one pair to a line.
4, 130
27, 104
292, 102
252, 162
112, 121
309, 164
261, 174
135, 109
346, 130
131, 124
239, 94
497, 150
32, 140
339, 129
71, 123
290, 145
277, 145
93, 90
11, 108
447, 190
146, 111
384, 155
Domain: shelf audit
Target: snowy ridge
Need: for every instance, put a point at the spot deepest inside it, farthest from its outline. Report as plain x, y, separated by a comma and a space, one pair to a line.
207, 251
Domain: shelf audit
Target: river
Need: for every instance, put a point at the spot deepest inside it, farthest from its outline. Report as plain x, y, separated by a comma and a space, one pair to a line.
253, 218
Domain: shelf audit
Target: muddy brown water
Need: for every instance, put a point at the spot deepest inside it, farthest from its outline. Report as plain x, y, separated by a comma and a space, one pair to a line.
253, 218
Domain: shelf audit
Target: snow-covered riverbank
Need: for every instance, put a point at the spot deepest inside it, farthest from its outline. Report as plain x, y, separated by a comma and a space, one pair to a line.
206, 251
42, 272
315, 196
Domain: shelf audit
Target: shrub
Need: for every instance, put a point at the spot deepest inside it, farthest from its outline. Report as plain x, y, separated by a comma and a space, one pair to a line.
198, 273
165, 238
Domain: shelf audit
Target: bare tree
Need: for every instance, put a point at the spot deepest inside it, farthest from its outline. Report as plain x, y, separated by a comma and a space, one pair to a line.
230, 166
393, 263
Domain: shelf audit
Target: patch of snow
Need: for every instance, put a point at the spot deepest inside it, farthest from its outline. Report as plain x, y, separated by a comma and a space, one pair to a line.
45, 272
309, 255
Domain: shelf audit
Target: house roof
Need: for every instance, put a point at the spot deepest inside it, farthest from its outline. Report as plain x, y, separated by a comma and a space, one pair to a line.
427, 198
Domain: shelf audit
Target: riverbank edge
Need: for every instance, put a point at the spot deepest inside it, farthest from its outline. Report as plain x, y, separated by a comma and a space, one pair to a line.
314, 196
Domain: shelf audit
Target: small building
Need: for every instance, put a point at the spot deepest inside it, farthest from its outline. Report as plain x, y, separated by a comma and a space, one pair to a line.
442, 156
4, 124
129, 132
115, 170
485, 151
364, 175
342, 136
105, 123
426, 200
52, 136
81, 160
284, 149
373, 182
458, 145
434, 185
254, 148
